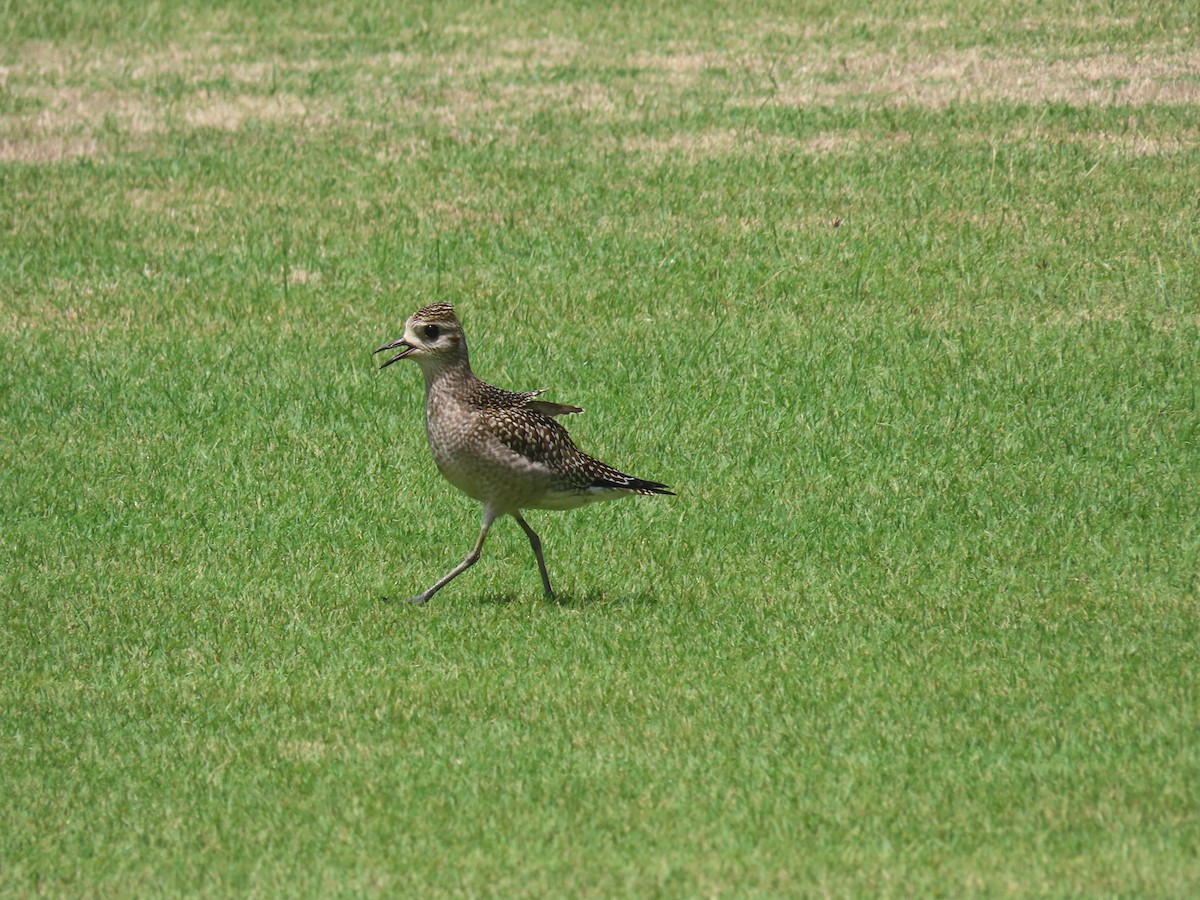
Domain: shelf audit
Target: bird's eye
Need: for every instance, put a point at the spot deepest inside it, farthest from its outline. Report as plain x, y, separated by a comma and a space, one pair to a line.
431, 332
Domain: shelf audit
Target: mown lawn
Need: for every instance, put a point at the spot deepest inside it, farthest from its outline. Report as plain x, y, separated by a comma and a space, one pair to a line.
904, 303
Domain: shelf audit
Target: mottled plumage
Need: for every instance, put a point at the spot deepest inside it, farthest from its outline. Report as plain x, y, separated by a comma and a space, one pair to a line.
502, 448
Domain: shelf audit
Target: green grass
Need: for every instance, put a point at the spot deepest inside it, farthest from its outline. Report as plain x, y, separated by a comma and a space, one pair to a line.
903, 304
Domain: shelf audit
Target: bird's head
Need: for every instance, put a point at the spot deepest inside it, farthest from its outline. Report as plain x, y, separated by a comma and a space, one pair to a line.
433, 337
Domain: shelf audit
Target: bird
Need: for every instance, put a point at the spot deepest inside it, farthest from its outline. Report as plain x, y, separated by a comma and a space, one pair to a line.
501, 448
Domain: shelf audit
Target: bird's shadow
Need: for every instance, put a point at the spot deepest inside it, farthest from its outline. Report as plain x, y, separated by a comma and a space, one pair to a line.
568, 600
572, 600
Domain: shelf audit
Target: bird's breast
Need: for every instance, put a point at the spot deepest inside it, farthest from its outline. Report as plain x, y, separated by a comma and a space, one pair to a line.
450, 436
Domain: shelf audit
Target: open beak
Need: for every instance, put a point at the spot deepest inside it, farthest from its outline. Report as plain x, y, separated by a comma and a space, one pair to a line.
408, 348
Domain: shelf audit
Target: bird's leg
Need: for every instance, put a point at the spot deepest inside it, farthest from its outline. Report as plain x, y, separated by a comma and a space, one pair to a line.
536, 543
472, 558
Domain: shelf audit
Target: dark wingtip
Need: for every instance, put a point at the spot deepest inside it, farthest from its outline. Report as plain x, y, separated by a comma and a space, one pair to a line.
653, 487
637, 485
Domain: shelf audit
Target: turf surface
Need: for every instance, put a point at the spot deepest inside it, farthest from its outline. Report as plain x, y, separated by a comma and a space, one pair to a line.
902, 302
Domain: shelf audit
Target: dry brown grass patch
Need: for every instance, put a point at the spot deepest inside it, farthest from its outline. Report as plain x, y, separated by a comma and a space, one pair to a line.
230, 113
46, 148
67, 118
490, 95
752, 142
974, 75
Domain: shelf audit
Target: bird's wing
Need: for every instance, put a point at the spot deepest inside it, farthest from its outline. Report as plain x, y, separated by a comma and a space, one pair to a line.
545, 407
537, 438
531, 434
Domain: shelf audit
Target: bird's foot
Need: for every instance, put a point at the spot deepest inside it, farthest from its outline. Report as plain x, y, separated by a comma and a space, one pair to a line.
419, 600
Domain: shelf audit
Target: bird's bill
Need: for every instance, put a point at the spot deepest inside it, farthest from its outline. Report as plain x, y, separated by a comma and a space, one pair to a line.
408, 348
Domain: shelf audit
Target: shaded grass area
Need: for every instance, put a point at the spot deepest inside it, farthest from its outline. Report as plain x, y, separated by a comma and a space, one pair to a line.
922, 619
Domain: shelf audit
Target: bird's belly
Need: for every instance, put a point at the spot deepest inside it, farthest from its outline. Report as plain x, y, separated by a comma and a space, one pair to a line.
502, 479
502, 487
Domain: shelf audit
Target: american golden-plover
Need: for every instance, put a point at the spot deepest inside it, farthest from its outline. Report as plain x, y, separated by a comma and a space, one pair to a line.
501, 448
